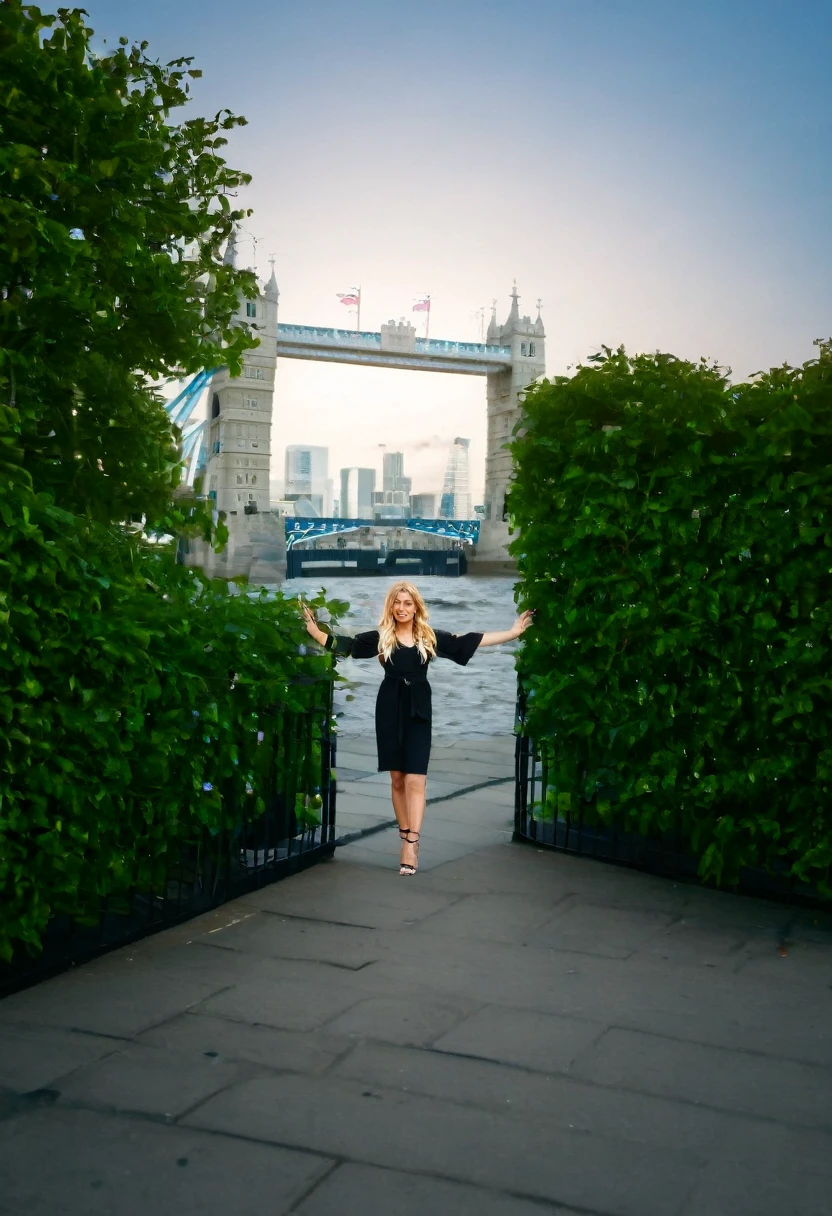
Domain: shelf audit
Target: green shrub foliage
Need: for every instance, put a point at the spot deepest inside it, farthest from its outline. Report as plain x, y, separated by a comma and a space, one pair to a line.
112, 225
139, 705
675, 540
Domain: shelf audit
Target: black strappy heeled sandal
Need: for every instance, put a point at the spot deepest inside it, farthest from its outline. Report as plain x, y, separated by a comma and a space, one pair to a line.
406, 834
403, 834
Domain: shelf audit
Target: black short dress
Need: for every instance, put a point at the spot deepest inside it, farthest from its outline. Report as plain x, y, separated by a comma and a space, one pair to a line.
403, 705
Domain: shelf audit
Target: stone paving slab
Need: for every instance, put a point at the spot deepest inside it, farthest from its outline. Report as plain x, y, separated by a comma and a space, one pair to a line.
733, 1188
430, 856
288, 1005
508, 919
692, 1004
345, 1120
271, 1048
510, 1031
363, 1190
104, 1001
741, 1081
370, 900
269, 935
344, 773
522, 1037
150, 1080
611, 933
355, 824
562, 1100
33, 1057
82, 1163
476, 810
406, 1020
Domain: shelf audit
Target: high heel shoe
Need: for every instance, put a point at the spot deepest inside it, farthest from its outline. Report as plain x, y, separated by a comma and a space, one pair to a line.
403, 834
409, 837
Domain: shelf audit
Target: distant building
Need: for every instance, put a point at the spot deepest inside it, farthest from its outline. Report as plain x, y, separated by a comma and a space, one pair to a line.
392, 470
456, 496
423, 506
307, 477
393, 479
357, 489
391, 504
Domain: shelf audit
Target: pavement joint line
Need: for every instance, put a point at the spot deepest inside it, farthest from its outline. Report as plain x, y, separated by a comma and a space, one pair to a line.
92, 1034
743, 1051
565, 1075
29, 1099
545, 1205
362, 833
293, 958
192, 1007
559, 1074
313, 1186
340, 1056
339, 1159
317, 920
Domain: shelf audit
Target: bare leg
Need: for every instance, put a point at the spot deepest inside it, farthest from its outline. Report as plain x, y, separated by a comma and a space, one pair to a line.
414, 784
399, 798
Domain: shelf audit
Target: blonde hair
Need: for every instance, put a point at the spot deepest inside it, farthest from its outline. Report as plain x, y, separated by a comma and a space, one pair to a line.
423, 636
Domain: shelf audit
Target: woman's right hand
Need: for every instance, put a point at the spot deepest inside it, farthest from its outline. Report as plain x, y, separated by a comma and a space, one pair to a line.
312, 626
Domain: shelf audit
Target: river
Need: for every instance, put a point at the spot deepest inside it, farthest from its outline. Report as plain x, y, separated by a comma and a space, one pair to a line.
468, 701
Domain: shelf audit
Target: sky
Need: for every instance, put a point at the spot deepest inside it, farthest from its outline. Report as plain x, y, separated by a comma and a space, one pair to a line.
658, 174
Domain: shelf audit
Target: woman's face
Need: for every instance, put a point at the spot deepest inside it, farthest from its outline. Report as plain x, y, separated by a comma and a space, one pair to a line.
404, 609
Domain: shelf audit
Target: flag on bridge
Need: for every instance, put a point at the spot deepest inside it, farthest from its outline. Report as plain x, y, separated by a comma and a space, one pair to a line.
352, 299
423, 305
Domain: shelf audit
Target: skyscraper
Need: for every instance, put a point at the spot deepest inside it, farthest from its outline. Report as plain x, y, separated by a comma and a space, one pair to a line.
357, 489
423, 506
392, 470
306, 476
456, 497
393, 478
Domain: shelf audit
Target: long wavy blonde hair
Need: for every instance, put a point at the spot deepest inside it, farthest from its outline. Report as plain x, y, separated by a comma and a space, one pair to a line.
423, 635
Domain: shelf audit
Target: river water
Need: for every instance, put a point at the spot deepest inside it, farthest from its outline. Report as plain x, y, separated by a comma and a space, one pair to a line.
467, 701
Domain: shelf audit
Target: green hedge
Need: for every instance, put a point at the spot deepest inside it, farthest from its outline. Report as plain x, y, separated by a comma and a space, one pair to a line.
131, 692
675, 540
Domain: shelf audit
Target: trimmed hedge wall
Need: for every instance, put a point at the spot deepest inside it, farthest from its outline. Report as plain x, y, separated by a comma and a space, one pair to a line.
132, 691
675, 540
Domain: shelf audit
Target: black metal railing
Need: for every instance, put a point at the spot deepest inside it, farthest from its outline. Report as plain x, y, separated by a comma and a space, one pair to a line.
572, 825
296, 789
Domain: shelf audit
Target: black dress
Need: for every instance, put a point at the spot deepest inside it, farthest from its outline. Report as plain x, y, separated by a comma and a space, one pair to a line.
403, 705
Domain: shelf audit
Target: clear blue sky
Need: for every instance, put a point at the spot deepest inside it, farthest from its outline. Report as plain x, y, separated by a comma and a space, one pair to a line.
659, 174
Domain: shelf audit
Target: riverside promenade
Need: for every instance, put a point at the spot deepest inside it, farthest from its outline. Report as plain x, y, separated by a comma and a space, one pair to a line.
509, 1033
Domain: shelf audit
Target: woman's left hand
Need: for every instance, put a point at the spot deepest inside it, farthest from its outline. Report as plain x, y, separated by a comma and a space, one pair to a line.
522, 623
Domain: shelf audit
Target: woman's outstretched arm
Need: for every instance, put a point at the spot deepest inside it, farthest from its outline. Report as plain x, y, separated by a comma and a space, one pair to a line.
312, 627
362, 646
508, 635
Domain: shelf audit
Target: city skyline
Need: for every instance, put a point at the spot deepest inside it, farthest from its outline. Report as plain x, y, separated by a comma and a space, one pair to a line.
307, 477
664, 183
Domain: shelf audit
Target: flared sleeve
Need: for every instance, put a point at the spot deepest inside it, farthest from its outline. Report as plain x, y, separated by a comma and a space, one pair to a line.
456, 646
362, 646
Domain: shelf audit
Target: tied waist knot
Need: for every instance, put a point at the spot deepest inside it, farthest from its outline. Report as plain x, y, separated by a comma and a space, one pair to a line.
413, 687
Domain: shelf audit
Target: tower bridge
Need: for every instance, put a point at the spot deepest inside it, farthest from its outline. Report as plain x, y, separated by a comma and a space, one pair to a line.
395, 345
231, 446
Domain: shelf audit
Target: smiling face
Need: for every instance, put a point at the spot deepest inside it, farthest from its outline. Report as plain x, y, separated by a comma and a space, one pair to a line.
404, 609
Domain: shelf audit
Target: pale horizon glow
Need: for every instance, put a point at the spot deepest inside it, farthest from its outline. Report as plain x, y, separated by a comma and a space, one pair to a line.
659, 175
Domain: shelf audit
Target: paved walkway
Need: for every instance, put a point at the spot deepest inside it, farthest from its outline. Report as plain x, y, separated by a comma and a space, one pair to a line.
510, 1033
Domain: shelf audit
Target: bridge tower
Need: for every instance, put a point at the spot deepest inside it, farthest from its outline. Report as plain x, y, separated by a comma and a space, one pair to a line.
526, 338
238, 441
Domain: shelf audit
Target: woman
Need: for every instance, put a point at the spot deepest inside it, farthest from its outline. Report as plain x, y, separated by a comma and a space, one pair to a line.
404, 644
